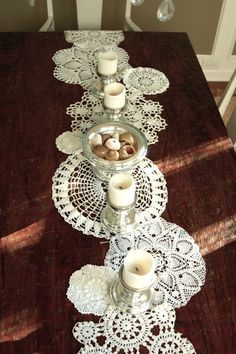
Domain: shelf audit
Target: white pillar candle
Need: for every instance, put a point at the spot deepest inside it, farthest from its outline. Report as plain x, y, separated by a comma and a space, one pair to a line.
107, 63
114, 95
121, 190
139, 269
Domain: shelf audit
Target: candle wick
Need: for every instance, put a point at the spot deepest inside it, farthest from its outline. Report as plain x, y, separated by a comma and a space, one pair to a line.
136, 269
120, 187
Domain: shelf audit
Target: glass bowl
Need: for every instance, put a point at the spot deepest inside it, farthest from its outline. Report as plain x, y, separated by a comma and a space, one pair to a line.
104, 169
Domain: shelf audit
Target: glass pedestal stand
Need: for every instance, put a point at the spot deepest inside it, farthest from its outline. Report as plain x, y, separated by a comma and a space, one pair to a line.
97, 87
129, 299
119, 220
116, 115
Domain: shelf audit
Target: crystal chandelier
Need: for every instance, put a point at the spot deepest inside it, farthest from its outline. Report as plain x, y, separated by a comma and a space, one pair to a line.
165, 11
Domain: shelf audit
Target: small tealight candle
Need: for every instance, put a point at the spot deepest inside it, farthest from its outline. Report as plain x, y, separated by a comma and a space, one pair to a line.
114, 96
121, 190
107, 63
138, 271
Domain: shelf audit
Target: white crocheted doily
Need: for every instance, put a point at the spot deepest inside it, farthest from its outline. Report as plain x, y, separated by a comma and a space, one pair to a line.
80, 197
89, 289
147, 80
143, 114
78, 65
68, 142
128, 333
180, 267
92, 39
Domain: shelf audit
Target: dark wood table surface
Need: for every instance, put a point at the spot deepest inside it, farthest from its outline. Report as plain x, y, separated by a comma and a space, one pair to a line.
39, 250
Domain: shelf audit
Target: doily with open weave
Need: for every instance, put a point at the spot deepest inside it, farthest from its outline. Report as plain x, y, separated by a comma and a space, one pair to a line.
77, 65
92, 39
80, 197
143, 114
180, 268
146, 80
121, 332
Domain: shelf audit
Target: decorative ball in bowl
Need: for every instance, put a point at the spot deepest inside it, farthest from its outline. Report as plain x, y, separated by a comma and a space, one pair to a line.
113, 147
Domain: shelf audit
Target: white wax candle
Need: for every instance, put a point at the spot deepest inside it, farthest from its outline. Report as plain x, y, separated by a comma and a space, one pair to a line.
107, 63
139, 267
121, 190
114, 96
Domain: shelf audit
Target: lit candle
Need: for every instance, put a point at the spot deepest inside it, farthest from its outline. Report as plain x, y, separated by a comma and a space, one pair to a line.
114, 95
138, 271
121, 190
107, 63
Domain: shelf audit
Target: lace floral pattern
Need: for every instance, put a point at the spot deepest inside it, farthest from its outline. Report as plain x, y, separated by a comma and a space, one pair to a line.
80, 197
128, 333
78, 65
171, 342
93, 39
143, 114
180, 267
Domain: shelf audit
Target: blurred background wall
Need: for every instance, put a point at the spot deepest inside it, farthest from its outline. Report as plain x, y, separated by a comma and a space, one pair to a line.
199, 18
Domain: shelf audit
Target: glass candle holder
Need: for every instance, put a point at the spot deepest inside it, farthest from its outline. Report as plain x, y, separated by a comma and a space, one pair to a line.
105, 169
128, 298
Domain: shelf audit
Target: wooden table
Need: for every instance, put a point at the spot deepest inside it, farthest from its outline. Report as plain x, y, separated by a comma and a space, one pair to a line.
39, 250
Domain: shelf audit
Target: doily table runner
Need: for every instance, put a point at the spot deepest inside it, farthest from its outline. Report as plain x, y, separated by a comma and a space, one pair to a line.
77, 65
80, 197
180, 267
93, 38
128, 333
143, 114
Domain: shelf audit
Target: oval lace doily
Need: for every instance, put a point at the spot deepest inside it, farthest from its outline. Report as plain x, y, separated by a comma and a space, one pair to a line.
92, 39
143, 114
78, 66
80, 197
127, 333
89, 289
147, 80
180, 267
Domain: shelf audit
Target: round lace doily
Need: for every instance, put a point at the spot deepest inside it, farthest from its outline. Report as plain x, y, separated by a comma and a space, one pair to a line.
147, 80
180, 267
78, 66
127, 333
89, 289
143, 114
80, 197
93, 39
68, 142
172, 342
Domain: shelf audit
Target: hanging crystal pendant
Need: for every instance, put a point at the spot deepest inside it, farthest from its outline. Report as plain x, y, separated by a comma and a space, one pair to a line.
137, 2
166, 10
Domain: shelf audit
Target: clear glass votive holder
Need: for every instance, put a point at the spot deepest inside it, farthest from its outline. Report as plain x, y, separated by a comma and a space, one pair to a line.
119, 220
105, 169
130, 299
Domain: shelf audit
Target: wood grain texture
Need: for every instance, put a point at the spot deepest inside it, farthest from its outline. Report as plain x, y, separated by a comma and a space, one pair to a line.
39, 250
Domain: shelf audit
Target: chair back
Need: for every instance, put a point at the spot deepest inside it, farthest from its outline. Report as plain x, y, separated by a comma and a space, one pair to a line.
227, 94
